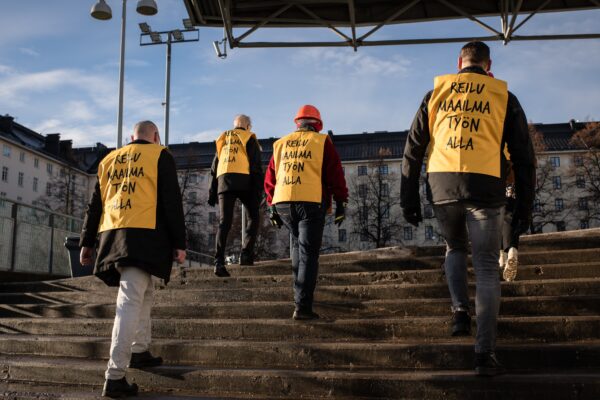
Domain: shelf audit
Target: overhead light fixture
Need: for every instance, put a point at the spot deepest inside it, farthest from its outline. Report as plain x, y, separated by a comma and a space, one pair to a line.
101, 10
216, 45
145, 28
155, 36
177, 35
147, 7
187, 23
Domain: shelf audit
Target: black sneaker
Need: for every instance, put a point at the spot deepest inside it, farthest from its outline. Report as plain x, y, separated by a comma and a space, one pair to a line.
304, 315
115, 388
220, 270
246, 259
486, 364
144, 360
461, 324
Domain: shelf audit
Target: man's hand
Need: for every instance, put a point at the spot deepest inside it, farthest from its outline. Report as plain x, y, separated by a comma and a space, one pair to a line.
412, 215
86, 255
274, 217
179, 256
340, 213
212, 199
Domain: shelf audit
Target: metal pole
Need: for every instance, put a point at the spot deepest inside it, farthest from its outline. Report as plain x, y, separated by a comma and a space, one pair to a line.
121, 78
168, 90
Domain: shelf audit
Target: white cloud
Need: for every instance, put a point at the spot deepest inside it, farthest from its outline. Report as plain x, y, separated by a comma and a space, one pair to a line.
79, 110
29, 52
202, 136
6, 70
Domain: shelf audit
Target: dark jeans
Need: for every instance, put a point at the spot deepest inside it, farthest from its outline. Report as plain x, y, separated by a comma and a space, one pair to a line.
226, 206
305, 222
510, 236
459, 222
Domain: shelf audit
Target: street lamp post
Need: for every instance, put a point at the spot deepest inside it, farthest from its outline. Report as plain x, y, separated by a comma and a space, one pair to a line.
172, 36
102, 11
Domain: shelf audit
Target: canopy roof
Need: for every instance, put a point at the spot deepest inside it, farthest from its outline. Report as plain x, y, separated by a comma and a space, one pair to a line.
344, 16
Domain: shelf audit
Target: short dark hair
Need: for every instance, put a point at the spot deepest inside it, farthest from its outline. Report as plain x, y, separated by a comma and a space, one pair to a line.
475, 52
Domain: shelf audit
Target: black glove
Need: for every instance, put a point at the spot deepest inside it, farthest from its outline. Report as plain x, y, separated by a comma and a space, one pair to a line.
520, 225
412, 215
212, 199
274, 217
340, 213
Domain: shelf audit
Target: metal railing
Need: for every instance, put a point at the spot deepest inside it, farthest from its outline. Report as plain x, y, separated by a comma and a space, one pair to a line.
32, 239
196, 259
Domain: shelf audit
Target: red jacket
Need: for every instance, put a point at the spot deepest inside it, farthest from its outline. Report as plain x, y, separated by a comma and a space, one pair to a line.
332, 177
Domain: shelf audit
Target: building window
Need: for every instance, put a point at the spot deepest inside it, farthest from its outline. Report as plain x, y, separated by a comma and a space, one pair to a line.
424, 187
211, 239
212, 217
21, 178
62, 172
341, 235
578, 161
2, 194
559, 204
22, 156
556, 182
364, 235
428, 232
4, 174
36, 162
193, 178
383, 169
560, 226
583, 203
584, 224
192, 197
428, 211
6, 151
407, 233
35, 184
555, 161
48, 189
580, 181
19, 198
362, 170
385, 190
385, 211
364, 214
49, 168
362, 191
537, 205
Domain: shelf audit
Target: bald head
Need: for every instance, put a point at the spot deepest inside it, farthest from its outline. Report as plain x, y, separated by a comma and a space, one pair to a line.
242, 121
146, 130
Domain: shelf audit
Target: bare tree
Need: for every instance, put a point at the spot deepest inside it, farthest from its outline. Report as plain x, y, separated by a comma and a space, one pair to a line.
550, 207
375, 196
194, 196
586, 170
63, 194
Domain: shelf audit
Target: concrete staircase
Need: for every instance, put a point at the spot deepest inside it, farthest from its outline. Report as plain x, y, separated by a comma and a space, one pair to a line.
383, 332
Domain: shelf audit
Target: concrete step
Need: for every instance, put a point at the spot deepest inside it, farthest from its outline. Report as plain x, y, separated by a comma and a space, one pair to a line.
525, 306
550, 287
526, 272
391, 263
447, 353
550, 328
280, 383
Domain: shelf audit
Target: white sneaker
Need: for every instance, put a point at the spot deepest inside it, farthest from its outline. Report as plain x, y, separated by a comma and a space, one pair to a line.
502, 259
512, 263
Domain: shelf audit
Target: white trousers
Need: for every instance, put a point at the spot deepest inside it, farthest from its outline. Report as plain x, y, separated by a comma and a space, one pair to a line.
132, 328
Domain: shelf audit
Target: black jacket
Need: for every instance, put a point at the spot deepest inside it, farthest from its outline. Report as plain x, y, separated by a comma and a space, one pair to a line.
478, 189
232, 182
148, 249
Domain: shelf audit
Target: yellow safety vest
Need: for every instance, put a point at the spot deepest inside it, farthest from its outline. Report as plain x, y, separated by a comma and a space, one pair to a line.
231, 150
128, 183
298, 160
466, 120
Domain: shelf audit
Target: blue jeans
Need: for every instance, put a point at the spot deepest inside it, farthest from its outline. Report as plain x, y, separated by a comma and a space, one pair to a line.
458, 222
305, 221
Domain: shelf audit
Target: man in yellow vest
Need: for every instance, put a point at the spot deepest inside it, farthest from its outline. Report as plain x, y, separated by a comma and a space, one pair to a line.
304, 173
236, 174
463, 125
137, 214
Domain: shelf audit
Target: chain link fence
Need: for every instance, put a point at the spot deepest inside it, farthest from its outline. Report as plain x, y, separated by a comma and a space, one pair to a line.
32, 239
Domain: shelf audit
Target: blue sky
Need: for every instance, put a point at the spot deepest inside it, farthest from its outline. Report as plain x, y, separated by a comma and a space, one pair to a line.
59, 73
